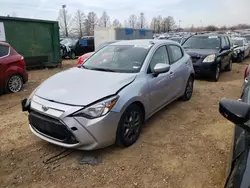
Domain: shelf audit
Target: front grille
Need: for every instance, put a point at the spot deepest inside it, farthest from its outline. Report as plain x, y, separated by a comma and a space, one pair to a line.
195, 59
51, 127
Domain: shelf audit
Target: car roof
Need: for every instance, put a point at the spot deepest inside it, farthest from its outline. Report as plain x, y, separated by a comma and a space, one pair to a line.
209, 34
143, 42
4, 43
238, 38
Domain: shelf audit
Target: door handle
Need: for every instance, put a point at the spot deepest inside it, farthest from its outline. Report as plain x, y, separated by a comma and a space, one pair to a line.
171, 74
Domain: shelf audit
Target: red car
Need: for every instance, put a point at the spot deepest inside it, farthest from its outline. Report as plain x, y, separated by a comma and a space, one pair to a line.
247, 71
82, 58
13, 72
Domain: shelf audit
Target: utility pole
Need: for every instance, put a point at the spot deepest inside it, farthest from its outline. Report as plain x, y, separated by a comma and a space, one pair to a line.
141, 20
65, 20
179, 25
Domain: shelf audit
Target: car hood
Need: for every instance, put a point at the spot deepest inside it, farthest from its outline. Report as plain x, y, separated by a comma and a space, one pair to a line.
201, 52
239, 48
78, 86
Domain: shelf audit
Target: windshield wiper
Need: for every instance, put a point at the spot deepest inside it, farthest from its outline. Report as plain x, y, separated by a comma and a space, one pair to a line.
102, 69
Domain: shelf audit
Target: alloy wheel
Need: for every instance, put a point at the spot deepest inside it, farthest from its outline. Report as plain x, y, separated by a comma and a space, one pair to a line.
15, 84
217, 72
189, 88
131, 125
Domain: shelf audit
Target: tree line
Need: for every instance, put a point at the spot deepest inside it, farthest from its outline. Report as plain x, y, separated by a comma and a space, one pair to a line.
81, 25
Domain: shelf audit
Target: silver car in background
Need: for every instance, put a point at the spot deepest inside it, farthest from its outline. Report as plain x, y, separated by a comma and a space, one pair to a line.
107, 100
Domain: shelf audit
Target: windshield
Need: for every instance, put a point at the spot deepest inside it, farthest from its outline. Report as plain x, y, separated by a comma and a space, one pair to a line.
202, 42
118, 58
176, 39
238, 42
69, 42
247, 37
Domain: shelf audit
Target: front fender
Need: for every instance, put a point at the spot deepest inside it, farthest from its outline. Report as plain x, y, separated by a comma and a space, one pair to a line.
137, 91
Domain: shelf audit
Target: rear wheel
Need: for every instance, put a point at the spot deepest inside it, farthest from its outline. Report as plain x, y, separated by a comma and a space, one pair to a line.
14, 84
216, 74
189, 89
241, 57
130, 126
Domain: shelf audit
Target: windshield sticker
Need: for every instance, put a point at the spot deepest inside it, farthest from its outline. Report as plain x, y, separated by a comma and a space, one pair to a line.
142, 46
136, 67
212, 37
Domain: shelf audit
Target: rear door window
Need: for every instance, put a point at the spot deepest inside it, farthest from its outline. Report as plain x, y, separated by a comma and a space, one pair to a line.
4, 51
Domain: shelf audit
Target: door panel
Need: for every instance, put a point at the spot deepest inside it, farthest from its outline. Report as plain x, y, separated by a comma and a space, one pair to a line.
160, 86
160, 89
179, 67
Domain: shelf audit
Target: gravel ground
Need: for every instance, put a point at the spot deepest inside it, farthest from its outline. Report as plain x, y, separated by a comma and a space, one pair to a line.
187, 144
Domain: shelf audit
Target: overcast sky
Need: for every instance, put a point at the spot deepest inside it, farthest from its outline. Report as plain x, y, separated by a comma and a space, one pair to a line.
218, 12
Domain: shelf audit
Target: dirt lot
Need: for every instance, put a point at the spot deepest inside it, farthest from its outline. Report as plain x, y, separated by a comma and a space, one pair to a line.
187, 144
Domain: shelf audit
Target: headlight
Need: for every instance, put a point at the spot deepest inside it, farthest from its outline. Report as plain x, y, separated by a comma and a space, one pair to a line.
237, 51
32, 94
209, 59
98, 109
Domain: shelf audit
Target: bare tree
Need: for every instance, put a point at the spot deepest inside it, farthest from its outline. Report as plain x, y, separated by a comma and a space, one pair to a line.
159, 24
132, 21
153, 24
116, 23
170, 23
64, 20
211, 28
125, 23
104, 21
90, 22
142, 21
79, 23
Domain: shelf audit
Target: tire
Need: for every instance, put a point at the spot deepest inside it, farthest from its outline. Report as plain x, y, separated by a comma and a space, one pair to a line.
216, 74
241, 58
129, 129
72, 55
14, 84
229, 66
189, 89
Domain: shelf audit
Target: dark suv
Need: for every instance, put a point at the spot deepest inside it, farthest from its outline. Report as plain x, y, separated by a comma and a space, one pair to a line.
74, 47
210, 53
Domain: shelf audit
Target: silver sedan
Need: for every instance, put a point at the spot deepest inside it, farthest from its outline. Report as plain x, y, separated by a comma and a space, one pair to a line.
108, 99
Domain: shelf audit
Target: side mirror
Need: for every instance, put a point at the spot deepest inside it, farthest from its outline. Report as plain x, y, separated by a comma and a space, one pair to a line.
235, 111
161, 68
225, 48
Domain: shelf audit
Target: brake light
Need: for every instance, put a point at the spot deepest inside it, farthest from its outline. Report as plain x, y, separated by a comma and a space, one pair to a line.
22, 60
80, 61
247, 71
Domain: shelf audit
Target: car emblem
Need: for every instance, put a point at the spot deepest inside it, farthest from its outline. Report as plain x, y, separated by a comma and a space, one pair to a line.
45, 108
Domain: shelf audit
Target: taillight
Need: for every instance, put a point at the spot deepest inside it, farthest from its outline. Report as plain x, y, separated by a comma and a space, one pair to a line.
80, 61
247, 71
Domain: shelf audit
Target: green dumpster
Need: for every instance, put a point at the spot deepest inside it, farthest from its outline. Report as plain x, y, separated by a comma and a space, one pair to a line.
36, 40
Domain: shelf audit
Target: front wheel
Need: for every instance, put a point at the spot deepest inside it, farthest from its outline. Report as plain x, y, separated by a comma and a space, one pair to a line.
130, 126
216, 74
189, 89
14, 84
